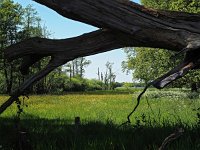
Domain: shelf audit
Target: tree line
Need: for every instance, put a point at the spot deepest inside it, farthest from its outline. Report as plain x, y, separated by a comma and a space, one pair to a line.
18, 24
148, 64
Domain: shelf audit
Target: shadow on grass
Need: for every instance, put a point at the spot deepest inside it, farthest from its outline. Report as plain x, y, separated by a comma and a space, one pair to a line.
44, 134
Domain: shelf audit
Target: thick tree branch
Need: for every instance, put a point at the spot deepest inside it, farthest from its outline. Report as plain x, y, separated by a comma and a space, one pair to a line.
130, 17
125, 24
122, 15
191, 61
87, 44
161, 29
61, 52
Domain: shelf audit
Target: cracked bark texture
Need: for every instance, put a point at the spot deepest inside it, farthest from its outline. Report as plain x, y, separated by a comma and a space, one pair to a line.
122, 24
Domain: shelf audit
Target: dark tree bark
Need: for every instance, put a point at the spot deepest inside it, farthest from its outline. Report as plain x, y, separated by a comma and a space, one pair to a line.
123, 24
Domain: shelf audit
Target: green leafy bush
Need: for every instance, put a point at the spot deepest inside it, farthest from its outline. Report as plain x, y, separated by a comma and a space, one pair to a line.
93, 85
75, 84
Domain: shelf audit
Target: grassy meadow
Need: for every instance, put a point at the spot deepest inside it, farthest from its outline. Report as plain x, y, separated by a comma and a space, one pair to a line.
48, 121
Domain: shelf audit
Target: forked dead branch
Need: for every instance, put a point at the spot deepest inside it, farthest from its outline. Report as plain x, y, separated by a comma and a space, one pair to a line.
123, 24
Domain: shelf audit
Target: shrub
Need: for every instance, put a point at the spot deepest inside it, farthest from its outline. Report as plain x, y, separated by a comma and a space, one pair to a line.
75, 84
93, 85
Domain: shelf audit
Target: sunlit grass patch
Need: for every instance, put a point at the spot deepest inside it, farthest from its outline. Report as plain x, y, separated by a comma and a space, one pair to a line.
49, 119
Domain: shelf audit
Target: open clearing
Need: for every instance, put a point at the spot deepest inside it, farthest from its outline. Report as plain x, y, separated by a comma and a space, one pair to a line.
49, 121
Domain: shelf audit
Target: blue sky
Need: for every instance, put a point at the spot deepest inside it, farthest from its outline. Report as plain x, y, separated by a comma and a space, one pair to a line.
61, 27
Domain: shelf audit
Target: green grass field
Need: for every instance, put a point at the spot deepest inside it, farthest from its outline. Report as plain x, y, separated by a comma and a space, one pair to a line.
49, 121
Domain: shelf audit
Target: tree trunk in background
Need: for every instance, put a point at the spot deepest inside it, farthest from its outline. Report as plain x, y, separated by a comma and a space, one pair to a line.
76, 67
81, 67
98, 73
70, 72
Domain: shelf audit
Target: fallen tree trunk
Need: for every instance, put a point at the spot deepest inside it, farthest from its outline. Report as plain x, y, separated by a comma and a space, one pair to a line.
123, 15
124, 24
161, 27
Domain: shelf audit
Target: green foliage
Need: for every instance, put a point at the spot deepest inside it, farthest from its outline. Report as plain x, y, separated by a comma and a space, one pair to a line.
127, 85
16, 24
191, 6
94, 84
108, 78
175, 5
157, 4
10, 24
147, 63
75, 84
77, 67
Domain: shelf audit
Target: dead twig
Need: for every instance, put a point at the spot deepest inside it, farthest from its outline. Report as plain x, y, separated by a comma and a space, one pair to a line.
138, 102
